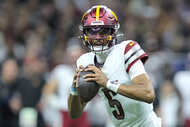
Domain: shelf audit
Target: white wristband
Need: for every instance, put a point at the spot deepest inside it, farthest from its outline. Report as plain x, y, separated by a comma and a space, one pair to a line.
113, 85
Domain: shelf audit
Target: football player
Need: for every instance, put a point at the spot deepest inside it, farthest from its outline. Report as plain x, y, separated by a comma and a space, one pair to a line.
126, 89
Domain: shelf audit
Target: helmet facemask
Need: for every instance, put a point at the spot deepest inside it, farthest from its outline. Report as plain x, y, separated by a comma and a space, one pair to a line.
99, 39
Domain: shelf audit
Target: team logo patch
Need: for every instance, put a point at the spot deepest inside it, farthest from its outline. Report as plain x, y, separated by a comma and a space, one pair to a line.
114, 82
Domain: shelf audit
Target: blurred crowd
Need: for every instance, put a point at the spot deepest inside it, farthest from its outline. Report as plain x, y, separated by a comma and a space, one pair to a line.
37, 37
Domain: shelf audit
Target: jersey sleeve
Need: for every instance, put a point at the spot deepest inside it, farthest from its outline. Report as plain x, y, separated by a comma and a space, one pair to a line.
137, 69
132, 53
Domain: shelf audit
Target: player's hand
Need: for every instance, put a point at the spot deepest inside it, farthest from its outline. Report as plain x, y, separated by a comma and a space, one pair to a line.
99, 77
76, 75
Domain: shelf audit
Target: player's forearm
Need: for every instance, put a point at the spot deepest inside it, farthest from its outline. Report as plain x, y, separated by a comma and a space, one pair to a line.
75, 106
140, 89
137, 92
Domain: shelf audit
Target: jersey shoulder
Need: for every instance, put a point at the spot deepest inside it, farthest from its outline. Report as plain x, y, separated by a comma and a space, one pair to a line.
128, 44
132, 53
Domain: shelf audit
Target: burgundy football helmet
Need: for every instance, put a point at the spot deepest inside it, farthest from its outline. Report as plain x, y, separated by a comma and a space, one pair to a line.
99, 24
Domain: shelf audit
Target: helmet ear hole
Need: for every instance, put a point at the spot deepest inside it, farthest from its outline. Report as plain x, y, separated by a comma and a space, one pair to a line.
112, 31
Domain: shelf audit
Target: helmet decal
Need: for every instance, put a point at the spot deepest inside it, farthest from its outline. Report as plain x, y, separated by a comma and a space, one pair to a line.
114, 15
97, 22
83, 16
97, 12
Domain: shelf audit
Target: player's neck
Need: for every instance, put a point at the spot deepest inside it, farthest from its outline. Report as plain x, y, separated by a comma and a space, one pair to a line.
101, 58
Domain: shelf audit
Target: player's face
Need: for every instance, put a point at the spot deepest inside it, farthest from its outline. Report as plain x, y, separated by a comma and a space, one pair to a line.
98, 36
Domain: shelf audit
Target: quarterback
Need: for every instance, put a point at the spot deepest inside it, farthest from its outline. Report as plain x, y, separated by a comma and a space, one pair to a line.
126, 88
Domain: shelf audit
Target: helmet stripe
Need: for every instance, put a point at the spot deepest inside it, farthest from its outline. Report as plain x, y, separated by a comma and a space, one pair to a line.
114, 15
83, 16
97, 12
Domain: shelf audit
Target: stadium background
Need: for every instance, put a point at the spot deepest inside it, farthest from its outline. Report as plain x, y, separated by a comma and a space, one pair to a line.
36, 34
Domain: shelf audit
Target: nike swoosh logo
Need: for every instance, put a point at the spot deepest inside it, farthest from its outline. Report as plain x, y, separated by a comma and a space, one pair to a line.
131, 43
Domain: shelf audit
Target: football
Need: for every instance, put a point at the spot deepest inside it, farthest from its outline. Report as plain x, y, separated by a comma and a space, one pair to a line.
86, 90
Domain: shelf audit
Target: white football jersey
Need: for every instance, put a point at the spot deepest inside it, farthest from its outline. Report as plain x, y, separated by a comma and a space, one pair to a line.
123, 111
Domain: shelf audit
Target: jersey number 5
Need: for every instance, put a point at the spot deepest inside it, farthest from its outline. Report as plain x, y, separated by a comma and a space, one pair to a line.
113, 102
